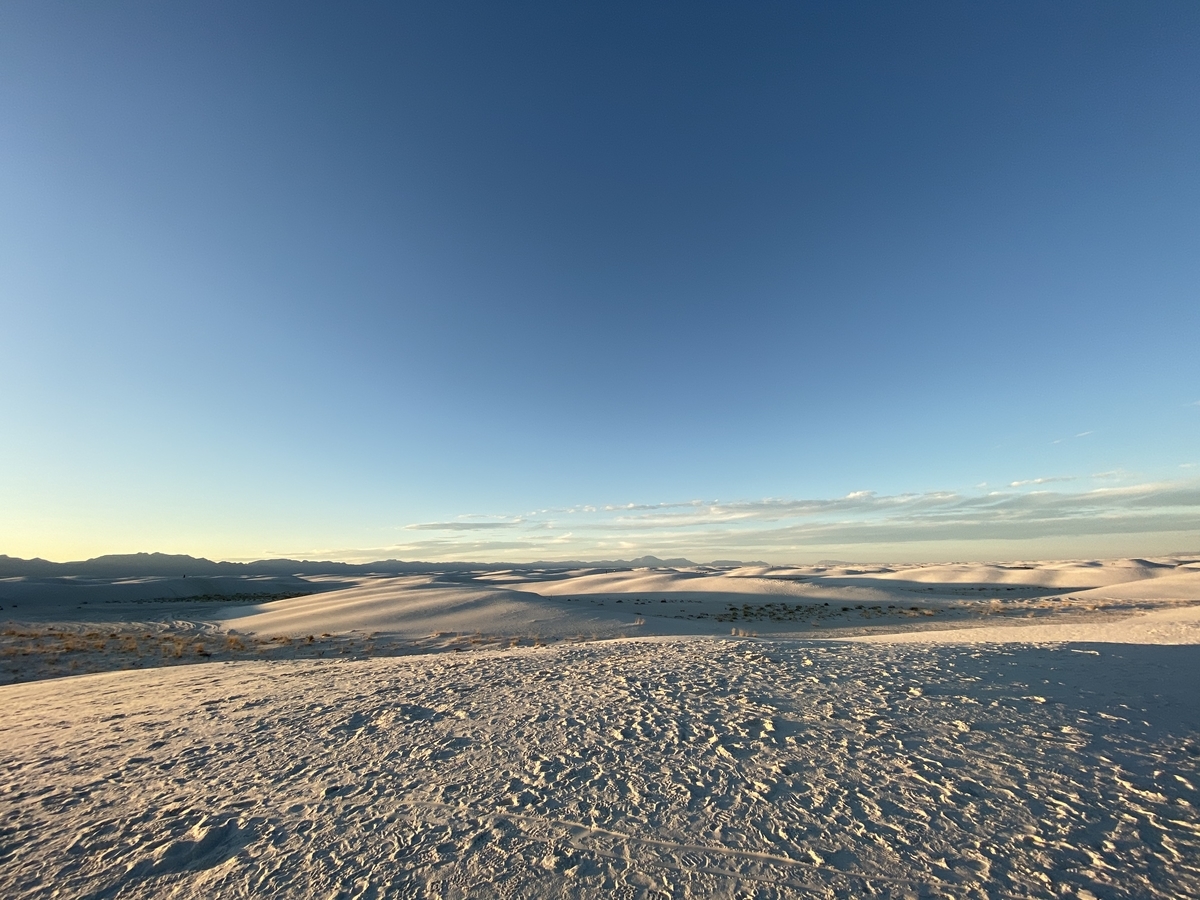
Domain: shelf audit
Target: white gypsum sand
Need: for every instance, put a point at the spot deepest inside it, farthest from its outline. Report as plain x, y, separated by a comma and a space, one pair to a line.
1043, 741
792, 600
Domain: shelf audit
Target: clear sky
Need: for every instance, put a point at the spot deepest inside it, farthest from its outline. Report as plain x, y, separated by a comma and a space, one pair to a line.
789, 281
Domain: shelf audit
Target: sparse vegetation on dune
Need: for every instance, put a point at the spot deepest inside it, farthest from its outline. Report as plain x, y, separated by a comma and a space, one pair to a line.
34, 653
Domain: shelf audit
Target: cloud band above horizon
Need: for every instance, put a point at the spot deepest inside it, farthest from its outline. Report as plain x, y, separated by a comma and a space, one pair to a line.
1146, 519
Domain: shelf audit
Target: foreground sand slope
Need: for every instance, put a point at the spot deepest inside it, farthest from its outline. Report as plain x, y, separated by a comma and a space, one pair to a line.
651, 768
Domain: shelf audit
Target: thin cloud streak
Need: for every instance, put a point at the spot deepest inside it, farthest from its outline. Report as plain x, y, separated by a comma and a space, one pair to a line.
787, 529
461, 526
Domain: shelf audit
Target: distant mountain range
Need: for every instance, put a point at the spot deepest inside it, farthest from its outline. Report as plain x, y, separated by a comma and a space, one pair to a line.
132, 565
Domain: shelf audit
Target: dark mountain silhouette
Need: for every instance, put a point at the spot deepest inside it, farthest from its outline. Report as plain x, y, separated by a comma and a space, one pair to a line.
133, 565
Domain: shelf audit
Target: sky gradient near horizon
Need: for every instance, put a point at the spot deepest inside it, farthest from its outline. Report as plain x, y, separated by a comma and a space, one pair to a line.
781, 281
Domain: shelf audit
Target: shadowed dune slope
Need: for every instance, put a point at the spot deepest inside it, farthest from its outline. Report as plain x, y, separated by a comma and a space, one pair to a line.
419, 606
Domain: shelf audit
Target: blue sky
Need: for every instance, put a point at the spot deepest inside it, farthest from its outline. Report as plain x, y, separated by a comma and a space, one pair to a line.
785, 281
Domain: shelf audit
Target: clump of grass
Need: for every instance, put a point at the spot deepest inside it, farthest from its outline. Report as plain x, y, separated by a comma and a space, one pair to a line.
234, 642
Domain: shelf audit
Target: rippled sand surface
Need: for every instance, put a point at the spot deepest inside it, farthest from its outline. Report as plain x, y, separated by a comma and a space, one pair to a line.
649, 768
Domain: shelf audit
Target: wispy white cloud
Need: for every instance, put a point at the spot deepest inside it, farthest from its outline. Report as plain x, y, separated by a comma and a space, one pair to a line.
1114, 475
1041, 480
646, 506
465, 524
785, 529
1081, 434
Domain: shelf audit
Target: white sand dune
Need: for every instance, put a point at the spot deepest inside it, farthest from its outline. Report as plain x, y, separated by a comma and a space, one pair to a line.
1065, 575
417, 606
1161, 626
650, 768
925, 731
670, 601
1180, 586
